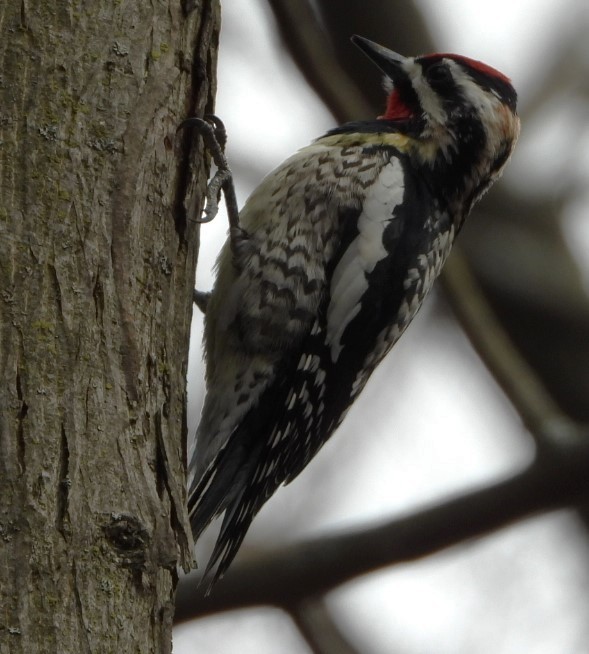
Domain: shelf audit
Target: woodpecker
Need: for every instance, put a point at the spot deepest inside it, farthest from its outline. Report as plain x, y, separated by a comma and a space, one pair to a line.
333, 256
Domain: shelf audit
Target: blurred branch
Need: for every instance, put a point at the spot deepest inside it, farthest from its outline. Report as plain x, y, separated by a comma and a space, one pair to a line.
314, 621
313, 53
397, 24
566, 68
347, 84
517, 252
287, 576
538, 411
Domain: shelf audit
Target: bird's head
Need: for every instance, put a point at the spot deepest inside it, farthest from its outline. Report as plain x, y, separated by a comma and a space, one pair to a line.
459, 110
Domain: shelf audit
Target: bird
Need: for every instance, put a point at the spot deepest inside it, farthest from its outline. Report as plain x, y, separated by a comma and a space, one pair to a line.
324, 268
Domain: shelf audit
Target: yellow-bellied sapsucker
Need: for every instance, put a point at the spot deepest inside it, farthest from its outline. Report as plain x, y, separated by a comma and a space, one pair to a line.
333, 256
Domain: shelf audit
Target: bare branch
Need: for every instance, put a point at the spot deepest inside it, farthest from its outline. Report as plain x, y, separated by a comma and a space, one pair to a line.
318, 628
311, 49
287, 576
538, 411
347, 84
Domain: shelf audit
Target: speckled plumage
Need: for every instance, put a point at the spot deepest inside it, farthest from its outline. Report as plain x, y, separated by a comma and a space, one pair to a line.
339, 247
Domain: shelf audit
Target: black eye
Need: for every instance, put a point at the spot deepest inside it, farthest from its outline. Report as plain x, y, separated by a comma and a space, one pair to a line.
438, 75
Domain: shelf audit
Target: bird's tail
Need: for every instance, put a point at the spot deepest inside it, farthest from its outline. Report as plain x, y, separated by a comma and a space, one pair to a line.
223, 487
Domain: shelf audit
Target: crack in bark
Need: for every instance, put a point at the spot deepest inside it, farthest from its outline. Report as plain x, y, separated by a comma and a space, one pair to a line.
23, 15
63, 486
57, 286
162, 475
20, 418
98, 297
161, 471
199, 76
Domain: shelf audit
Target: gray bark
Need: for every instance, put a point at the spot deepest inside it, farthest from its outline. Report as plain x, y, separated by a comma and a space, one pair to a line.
97, 261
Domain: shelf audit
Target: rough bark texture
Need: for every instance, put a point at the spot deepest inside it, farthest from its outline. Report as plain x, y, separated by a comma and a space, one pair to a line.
97, 261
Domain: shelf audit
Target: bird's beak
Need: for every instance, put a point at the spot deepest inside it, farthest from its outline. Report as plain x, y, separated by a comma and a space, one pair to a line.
388, 61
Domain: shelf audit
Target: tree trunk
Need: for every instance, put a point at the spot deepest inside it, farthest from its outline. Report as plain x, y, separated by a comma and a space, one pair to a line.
97, 261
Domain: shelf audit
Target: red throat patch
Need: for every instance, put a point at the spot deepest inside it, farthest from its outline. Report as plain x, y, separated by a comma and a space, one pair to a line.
396, 108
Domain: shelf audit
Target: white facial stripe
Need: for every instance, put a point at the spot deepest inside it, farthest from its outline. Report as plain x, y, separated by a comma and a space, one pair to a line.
485, 102
428, 98
349, 283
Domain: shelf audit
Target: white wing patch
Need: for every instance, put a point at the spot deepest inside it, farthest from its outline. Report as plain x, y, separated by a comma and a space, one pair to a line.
349, 282
420, 280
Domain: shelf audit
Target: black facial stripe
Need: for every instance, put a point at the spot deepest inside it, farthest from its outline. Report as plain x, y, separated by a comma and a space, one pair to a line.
503, 89
439, 76
440, 79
